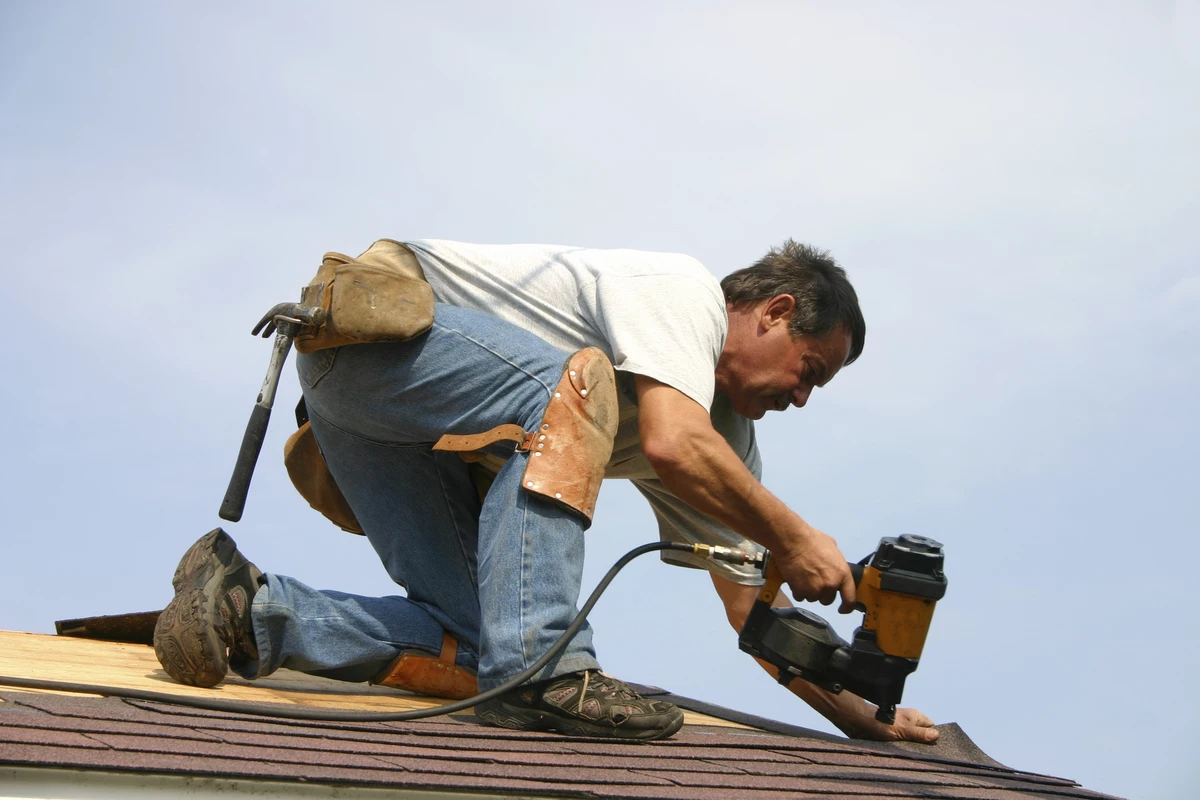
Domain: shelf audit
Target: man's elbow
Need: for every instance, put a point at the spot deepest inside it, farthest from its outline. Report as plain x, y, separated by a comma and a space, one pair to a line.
669, 456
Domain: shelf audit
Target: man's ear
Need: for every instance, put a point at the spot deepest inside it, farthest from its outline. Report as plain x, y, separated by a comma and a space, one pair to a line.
778, 309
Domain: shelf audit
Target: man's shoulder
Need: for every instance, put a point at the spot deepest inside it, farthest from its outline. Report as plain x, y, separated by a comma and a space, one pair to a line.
616, 262
649, 263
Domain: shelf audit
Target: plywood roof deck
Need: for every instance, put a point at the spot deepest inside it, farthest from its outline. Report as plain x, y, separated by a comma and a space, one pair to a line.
133, 666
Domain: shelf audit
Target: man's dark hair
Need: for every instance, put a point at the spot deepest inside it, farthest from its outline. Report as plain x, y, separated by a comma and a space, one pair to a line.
824, 297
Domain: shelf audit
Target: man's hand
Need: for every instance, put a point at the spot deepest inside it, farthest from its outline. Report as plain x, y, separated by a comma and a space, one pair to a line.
910, 726
815, 568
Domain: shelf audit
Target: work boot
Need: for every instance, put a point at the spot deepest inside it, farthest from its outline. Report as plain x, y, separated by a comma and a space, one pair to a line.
586, 703
208, 621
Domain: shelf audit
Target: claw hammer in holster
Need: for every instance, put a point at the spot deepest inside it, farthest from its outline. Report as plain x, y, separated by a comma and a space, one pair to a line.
284, 320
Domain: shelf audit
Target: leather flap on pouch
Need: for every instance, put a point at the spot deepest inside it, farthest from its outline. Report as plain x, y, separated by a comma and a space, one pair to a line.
381, 296
378, 304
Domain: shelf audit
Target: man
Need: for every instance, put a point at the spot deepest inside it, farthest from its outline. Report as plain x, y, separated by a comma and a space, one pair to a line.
492, 583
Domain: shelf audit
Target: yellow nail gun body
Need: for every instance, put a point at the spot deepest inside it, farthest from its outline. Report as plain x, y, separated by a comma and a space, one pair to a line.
898, 586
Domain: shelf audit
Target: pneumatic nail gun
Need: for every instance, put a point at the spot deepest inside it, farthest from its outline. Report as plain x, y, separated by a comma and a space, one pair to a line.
898, 586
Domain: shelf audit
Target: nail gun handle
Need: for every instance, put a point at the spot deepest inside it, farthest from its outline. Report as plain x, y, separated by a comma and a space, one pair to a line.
774, 579
243, 470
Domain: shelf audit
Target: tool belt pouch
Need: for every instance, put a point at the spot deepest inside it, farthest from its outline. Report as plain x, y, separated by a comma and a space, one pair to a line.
306, 467
381, 296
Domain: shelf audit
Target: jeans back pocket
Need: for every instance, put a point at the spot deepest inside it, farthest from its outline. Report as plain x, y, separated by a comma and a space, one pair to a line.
314, 366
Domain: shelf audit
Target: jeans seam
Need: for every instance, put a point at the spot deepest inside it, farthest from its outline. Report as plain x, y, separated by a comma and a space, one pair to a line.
352, 435
472, 568
502, 357
522, 628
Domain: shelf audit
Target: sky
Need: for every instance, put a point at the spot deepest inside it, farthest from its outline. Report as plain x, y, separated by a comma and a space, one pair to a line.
1008, 185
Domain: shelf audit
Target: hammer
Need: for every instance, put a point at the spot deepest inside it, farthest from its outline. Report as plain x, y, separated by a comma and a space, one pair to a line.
285, 321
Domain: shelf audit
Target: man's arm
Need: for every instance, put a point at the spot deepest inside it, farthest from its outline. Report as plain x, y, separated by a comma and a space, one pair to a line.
851, 714
699, 467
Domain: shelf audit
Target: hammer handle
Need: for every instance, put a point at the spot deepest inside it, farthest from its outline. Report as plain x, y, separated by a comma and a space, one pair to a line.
256, 429
243, 470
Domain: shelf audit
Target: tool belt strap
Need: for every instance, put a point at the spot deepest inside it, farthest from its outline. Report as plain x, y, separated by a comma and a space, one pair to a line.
449, 648
466, 445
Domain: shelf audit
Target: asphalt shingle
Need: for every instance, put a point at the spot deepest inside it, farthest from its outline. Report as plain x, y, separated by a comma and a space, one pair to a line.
85, 732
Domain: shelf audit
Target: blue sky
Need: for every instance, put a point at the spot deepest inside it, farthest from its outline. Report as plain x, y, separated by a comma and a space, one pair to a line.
1013, 189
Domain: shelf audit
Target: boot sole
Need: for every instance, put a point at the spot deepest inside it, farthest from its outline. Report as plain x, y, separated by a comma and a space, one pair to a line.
185, 636
502, 715
186, 642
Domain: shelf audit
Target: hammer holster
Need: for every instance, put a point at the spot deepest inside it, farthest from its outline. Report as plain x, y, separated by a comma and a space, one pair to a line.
310, 475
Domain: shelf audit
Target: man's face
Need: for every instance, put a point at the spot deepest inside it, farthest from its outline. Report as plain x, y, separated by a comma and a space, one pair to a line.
765, 369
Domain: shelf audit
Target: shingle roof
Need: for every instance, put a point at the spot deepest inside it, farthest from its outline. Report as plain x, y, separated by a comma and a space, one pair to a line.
705, 760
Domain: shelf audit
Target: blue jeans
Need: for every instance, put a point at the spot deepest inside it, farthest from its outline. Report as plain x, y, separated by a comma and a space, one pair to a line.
501, 576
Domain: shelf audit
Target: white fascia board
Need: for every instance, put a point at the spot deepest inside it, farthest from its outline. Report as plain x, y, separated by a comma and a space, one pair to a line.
42, 783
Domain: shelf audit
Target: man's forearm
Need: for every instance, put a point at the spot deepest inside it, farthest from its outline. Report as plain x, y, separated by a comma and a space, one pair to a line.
700, 468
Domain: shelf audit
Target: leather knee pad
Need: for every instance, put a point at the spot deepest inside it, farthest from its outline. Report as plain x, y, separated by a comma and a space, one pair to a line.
571, 446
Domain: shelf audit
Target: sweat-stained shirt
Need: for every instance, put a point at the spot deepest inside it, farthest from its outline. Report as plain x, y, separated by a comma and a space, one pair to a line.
661, 315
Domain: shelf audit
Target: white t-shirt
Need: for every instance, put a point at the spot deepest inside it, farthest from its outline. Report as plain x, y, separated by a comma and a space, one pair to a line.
661, 315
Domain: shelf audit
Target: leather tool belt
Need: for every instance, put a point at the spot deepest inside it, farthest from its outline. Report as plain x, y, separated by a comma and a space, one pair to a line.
382, 296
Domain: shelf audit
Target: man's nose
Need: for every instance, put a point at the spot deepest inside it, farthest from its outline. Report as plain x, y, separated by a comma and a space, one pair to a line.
800, 396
